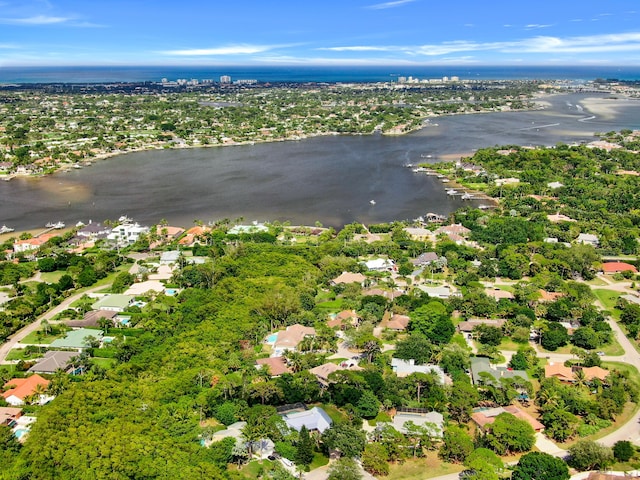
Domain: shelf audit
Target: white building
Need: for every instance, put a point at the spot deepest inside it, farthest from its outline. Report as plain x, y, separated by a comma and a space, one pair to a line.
127, 233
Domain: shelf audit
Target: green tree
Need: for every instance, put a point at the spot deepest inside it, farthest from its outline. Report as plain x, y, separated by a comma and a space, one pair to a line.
623, 450
540, 466
509, 434
589, 455
304, 452
344, 469
368, 405
375, 459
344, 438
457, 445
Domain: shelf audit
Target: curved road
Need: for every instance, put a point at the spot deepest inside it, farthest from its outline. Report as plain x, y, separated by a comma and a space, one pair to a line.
35, 325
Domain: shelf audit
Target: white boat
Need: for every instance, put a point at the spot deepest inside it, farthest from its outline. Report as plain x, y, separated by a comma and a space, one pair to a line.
452, 191
372, 202
467, 196
57, 225
124, 219
445, 180
5, 229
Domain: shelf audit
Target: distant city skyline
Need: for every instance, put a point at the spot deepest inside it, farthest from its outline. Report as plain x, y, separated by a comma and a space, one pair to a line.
331, 33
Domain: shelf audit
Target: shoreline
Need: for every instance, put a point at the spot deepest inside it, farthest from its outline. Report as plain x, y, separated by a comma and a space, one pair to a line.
425, 123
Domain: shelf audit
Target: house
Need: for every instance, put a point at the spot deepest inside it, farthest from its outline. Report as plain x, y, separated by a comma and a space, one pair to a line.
170, 258
20, 389
618, 267
31, 244
498, 294
389, 295
487, 417
396, 322
568, 374
276, 365
315, 419
507, 181
348, 277
323, 371
380, 265
424, 259
9, 415
546, 297
344, 319
127, 233
434, 421
290, 338
468, 325
480, 366
454, 229
116, 303
248, 229
192, 236
143, 288
93, 318
93, 231
441, 291
168, 233
558, 217
77, 339
53, 361
404, 368
419, 234
588, 239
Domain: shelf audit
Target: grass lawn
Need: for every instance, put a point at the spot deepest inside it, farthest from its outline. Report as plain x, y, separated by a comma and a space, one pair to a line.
330, 305
34, 338
608, 298
20, 354
612, 349
508, 344
419, 468
105, 363
52, 277
336, 415
319, 460
598, 282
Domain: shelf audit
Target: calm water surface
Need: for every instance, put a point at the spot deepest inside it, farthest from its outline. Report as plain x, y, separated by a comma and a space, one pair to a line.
330, 179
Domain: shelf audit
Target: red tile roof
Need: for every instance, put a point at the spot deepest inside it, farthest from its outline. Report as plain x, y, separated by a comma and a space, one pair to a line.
615, 267
23, 387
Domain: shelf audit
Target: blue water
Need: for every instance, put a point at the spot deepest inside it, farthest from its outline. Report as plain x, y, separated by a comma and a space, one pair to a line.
307, 74
272, 338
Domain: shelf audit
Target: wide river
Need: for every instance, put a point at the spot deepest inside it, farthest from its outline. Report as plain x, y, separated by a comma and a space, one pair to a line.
328, 179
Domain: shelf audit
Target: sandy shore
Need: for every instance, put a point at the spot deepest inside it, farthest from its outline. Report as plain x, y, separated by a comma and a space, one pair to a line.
607, 108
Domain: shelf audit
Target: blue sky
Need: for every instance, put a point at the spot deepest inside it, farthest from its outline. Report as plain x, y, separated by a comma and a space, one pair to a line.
319, 32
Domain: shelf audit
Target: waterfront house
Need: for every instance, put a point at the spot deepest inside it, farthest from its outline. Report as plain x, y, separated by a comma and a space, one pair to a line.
127, 233
454, 229
31, 244
419, 234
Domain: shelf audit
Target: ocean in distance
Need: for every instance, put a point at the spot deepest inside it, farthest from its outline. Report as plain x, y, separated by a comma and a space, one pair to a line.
114, 74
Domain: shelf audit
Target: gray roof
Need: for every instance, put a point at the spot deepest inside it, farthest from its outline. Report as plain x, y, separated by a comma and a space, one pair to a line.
481, 364
52, 361
407, 367
420, 419
92, 318
314, 419
425, 258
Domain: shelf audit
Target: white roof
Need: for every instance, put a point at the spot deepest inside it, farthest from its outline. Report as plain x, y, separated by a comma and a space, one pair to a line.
314, 419
144, 287
402, 368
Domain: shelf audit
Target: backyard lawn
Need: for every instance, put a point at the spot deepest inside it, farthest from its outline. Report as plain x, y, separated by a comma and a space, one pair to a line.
419, 468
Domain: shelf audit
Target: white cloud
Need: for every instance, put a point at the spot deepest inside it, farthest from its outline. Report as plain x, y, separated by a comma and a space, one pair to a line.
535, 26
622, 42
37, 20
397, 3
228, 50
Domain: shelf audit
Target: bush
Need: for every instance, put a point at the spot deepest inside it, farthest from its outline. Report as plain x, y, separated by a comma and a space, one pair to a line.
623, 450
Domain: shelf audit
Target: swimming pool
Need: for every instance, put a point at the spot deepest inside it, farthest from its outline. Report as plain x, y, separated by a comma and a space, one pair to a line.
20, 432
170, 292
272, 338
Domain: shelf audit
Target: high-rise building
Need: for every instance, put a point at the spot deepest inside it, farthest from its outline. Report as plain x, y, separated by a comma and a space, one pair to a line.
225, 79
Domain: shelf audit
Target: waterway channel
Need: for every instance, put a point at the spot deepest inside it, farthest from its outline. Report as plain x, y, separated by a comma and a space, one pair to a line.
328, 179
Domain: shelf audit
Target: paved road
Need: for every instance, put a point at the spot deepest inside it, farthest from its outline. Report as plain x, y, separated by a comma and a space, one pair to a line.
32, 327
